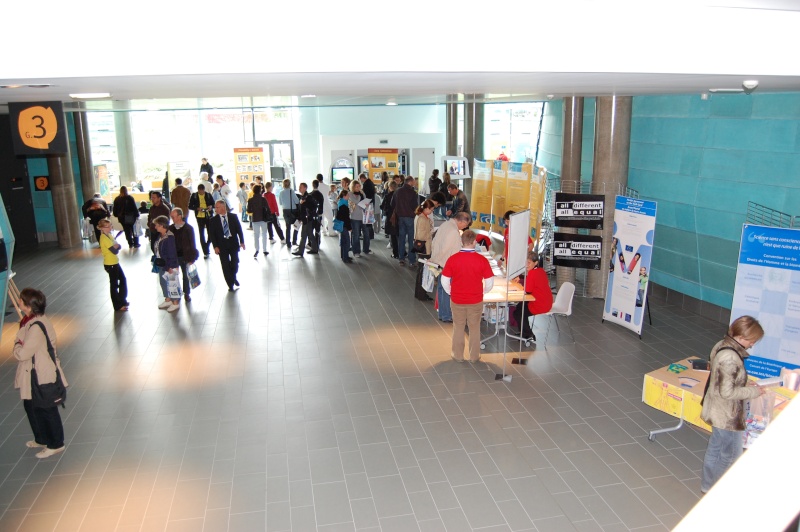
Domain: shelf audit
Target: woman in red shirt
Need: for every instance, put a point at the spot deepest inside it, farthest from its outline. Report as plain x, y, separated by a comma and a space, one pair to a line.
538, 285
273, 207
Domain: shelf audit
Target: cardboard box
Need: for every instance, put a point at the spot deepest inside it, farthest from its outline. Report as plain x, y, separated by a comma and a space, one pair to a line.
676, 385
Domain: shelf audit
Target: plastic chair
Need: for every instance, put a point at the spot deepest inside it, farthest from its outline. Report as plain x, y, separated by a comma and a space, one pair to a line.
562, 306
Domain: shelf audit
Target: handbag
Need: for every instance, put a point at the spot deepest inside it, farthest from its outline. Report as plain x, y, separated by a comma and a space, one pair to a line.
338, 226
129, 219
51, 394
419, 246
194, 277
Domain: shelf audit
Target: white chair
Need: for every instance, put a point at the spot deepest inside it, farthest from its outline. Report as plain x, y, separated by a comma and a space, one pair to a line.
562, 306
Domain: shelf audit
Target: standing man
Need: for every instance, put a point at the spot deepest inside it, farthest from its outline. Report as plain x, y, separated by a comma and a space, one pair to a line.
207, 168
202, 203
158, 208
466, 277
446, 244
322, 207
227, 237
405, 202
460, 201
180, 196
185, 246
96, 209
306, 216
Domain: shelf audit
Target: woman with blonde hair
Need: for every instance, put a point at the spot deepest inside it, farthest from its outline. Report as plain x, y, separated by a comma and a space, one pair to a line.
290, 205
726, 391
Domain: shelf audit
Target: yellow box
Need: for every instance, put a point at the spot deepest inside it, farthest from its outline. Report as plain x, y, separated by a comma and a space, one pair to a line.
675, 386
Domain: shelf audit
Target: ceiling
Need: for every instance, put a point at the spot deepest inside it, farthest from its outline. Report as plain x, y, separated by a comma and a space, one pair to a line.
185, 60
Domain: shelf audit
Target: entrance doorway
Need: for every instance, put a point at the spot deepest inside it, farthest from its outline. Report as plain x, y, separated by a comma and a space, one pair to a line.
279, 153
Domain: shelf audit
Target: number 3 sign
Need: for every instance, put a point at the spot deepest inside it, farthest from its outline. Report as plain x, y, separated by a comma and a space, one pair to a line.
38, 128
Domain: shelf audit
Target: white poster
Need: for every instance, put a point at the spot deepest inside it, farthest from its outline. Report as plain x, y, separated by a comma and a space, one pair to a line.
768, 288
629, 271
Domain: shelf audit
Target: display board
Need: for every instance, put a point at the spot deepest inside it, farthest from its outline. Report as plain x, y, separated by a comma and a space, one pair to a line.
768, 288
499, 178
481, 202
518, 188
249, 164
518, 224
577, 251
583, 211
180, 170
629, 271
536, 204
382, 160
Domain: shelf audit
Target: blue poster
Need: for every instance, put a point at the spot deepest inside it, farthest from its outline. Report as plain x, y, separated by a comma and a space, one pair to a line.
768, 288
629, 270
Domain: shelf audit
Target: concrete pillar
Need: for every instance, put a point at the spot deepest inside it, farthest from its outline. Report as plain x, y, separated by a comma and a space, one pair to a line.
452, 125
65, 202
473, 128
89, 183
572, 145
612, 143
122, 131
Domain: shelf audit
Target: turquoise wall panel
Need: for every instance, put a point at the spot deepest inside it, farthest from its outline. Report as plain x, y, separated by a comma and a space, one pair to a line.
703, 161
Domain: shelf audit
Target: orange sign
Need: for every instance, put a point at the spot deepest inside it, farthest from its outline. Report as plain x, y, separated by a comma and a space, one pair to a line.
40, 128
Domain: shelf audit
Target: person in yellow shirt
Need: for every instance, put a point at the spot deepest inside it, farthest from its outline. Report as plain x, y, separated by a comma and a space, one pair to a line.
116, 277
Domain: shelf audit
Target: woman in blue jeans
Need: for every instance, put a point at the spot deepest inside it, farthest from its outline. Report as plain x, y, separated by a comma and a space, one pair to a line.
357, 220
727, 389
343, 214
166, 258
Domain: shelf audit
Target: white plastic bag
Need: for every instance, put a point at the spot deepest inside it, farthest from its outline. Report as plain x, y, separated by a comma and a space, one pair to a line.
86, 229
137, 228
173, 284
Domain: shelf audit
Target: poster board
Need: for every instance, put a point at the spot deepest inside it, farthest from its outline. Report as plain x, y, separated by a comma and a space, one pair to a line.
768, 288
582, 211
180, 169
518, 188
248, 163
382, 160
536, 204
518, 224
629, 270
577, 251
481, 203
499, 177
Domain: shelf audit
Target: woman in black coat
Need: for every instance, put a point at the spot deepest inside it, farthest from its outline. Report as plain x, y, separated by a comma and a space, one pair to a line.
124, 208
390, 228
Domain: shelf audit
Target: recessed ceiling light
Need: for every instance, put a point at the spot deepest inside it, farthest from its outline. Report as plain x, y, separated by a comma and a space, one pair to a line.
38, 85
10, 86
308, 96
391, 102
90, 95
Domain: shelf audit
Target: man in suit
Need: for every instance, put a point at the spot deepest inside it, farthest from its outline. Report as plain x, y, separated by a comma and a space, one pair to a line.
227, 237
202, 203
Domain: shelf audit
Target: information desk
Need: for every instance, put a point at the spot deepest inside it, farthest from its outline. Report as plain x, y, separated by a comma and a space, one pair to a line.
499, 299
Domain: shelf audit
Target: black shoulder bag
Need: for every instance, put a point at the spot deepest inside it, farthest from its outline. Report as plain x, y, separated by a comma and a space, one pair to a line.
47, 395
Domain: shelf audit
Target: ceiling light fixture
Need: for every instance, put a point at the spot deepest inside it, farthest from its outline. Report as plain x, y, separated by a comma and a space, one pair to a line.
726, 91
308, 96
90, 95
11, 86
391, 102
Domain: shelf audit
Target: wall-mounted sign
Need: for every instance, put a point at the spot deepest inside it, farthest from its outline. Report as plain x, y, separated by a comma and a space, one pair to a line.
38, 128
583, 211
42, 183
577, 251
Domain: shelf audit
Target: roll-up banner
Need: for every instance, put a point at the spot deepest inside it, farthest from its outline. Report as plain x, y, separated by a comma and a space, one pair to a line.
768, 289
499, 176
518, 188
577, 251
481, 202
629, 271
579, 210
537, 191
249, 165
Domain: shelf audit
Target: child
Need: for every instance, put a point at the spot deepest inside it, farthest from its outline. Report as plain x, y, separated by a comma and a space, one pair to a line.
643, 278
343, 214
116, 277
143, 209
216, 194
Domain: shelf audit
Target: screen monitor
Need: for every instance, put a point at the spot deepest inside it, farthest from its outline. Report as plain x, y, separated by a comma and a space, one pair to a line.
455, 166
337, 174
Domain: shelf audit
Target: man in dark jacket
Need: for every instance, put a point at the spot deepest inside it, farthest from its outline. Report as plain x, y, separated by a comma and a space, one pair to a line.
159, 208
202, 203
405, 202
185, 245
96, 209
307, 215
227, 237
322, 205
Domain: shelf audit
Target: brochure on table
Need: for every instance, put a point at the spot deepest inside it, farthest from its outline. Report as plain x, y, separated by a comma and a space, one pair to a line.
768, 288
629, 272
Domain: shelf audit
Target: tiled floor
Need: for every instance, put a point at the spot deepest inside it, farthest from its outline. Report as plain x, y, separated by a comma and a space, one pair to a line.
321, 396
